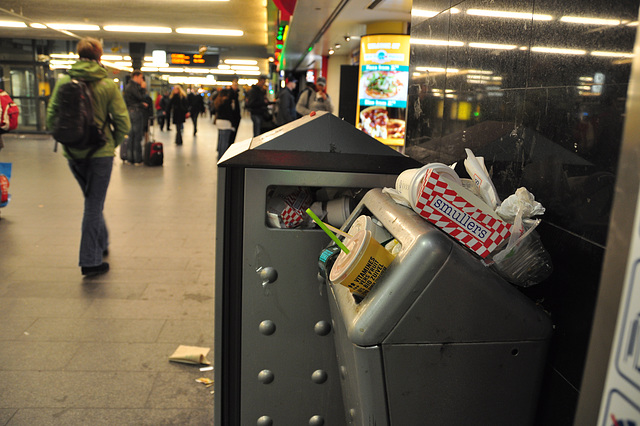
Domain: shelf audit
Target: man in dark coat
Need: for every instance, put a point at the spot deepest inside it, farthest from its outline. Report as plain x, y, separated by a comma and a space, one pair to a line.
196, 107
258, 104
287, 103
135, 98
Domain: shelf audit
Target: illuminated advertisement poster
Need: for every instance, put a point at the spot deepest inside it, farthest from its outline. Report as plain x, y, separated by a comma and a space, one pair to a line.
382, 88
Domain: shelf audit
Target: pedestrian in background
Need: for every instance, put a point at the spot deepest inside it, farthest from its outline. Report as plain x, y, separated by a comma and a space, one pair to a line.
286, 103
225, 113
234, 95
178, 110
196, 107
318, 101
258, 105
165, 103
94, 173
135, 98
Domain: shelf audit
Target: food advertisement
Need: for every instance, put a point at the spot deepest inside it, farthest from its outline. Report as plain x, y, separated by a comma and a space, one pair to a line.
382, 87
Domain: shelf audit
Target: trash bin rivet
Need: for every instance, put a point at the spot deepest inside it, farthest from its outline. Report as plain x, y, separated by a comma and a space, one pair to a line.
322, 328
316, 421
265, 376
515, 351
265, 421
267, 327
319, 376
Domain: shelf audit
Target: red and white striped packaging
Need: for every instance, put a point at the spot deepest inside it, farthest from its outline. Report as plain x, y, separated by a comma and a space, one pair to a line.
460, 214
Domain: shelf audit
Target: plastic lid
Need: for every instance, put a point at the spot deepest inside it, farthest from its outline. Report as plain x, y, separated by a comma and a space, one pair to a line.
346, 262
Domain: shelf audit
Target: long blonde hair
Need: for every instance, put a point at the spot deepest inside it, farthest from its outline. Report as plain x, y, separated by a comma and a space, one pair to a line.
181, 91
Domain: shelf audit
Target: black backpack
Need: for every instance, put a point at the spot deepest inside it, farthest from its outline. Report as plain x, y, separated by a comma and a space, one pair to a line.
74, 126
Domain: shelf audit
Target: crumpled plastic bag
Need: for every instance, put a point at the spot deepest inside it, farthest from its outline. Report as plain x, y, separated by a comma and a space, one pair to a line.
522, 201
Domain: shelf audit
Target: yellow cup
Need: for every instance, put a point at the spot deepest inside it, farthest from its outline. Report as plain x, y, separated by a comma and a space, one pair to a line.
360, 269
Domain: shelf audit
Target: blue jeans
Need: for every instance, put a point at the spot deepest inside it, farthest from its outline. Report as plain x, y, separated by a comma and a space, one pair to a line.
134, 153
257, 124
224, 140
93, 176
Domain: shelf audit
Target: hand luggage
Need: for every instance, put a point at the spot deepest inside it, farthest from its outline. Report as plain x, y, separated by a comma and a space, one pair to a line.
124, 146
153, 153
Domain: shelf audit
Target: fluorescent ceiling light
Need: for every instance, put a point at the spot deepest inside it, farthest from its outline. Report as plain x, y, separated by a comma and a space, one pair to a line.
13, 24
209, 31
632, 24
64, 55
74, 27
480, 72
505, 14
558, 51
493, 46
111, 57
590, 21
433, 42
224, 67
148, 69
222, 71
38, 26
137, 29
245, 67
241, 62
117, 66
612, 54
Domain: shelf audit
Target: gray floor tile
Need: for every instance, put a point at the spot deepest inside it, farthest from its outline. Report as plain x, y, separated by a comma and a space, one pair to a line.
180, 390
43, 307
36, 355
12, 328
95, 330
82, 389
6, 414
100, 356
110, 417
189, 332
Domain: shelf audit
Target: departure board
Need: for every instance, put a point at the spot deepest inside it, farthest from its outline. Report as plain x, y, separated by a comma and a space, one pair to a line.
193, 59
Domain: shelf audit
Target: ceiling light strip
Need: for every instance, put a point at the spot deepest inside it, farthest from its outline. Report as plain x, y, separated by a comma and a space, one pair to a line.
506, 14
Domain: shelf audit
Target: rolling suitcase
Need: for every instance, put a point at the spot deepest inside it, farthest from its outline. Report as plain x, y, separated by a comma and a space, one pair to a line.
124, 146
153, 153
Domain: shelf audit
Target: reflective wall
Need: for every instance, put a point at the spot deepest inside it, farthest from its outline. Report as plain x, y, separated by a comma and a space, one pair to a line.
538, 88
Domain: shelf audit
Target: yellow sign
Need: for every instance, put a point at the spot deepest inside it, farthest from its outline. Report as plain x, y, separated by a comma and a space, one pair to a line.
382, 87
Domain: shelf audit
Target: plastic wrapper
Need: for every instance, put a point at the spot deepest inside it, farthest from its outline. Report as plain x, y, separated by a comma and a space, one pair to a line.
5, 179
478, 172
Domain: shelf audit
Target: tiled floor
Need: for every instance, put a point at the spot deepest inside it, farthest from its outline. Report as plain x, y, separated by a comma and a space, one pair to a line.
77, 351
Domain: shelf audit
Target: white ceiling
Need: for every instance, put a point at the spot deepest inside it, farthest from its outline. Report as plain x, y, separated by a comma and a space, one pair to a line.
254, 17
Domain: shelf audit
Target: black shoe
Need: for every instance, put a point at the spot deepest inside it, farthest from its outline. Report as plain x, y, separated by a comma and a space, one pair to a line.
105, 252
92, 271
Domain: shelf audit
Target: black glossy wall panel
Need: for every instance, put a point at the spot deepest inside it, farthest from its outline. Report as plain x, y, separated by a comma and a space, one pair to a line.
542, 99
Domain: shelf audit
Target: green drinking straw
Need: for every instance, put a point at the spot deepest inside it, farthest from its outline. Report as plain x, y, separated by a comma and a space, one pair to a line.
321, 224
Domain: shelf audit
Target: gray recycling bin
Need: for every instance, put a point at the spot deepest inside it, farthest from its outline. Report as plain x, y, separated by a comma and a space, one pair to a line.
440, 339
275, 357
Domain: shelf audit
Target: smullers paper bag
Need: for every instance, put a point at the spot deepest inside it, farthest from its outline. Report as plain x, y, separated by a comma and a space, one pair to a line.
460, 214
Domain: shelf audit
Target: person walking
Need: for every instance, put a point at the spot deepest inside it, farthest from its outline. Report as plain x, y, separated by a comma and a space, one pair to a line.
258, 104
135, 96
318, 101
164, 105
286, 103
178, 110
94, 173
234, 96
225, 115
196, 107
158, 110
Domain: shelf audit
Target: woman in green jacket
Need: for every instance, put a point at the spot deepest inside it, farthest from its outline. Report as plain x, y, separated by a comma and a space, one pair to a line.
94, 173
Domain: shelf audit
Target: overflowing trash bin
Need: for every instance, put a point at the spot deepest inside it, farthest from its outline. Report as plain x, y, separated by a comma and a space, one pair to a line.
437, 337
275, 356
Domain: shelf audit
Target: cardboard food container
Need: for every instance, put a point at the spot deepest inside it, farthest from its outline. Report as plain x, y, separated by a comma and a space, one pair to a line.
460, 214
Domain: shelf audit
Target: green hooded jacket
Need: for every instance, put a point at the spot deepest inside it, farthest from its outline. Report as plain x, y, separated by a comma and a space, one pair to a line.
107, 99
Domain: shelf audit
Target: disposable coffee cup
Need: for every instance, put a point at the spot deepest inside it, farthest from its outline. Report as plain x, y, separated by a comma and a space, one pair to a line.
366, 223
338, 211
408, 182
360, 269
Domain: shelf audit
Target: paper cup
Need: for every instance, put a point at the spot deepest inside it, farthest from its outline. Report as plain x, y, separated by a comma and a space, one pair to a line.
338, 211
408, 182
366, 223
360, 269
